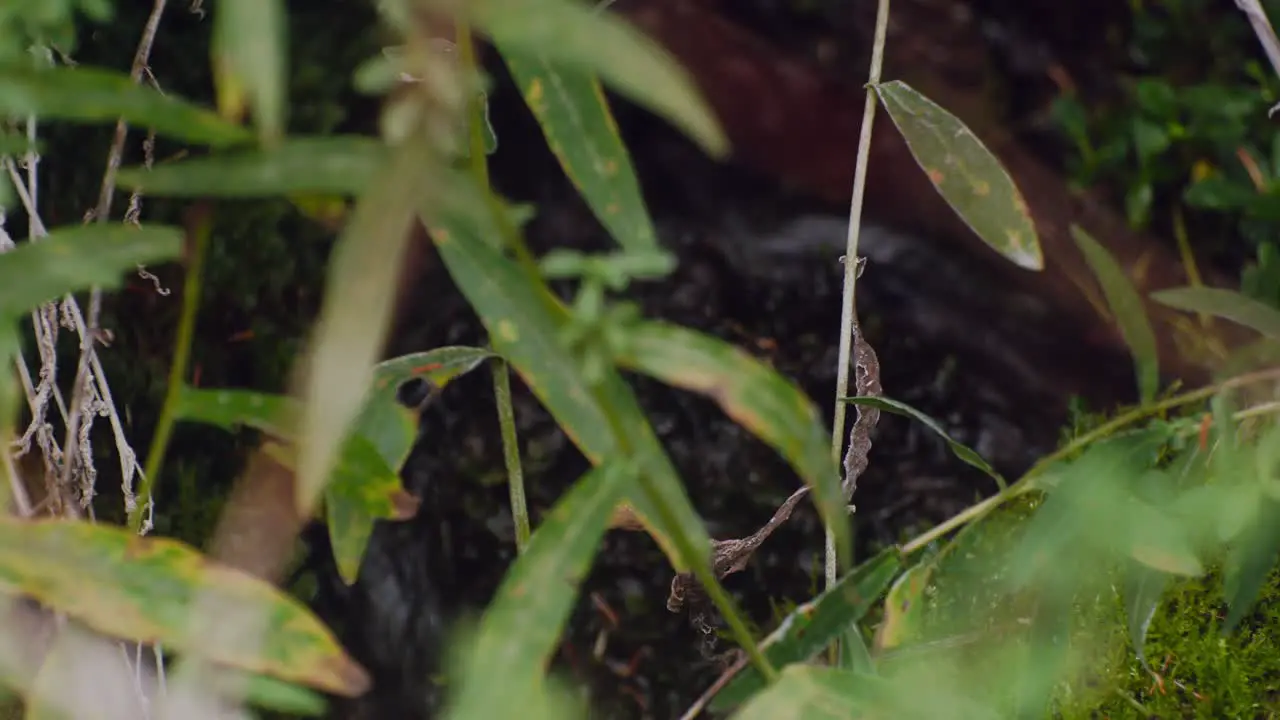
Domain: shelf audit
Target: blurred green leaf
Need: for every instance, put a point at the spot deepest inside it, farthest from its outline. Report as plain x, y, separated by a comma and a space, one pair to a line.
76, 258
521, 628
815, 625
1219, 193
960, 450
1126, 306
341, 165
572, 36
362, 489
755, 396
250, 63
276, 415
365, 485
144, 589
811, 692
966, 173
1094, 492
1227, 304
575, 117
359, 295
525, 323
1142, 592
1250, 559
90, 95
13, 143
272, 694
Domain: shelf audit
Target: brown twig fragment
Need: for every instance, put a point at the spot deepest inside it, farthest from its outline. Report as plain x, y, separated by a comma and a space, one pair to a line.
730, 556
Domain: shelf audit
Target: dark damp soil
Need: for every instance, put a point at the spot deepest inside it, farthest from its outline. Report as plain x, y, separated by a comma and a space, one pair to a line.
758, 268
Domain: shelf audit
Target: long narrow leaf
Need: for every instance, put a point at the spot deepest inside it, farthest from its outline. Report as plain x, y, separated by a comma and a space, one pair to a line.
144, 589
251, 63
967, 175
90, 95
342, 165
573, 36
522, 626
959, 449
1227, 304
1126, 306
71, 259
575, 118
810, 692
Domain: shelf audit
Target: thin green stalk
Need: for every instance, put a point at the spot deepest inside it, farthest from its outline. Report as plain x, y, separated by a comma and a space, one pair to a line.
977, 511
202, 229
511, 452
848, 311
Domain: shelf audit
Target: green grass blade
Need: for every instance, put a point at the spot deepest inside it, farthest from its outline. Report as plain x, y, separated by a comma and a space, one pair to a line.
573, 36
522, 626
90, 95
342, 165
1228, 304
1126, 306
579, 127
959, 449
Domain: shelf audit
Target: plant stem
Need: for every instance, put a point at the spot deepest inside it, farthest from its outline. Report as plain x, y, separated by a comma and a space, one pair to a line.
201, 229
511, 452
848, 309
974, 512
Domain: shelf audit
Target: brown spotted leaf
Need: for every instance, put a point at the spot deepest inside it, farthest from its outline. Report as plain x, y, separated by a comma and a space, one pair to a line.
575, 117
969, 177
756, 396
143, 589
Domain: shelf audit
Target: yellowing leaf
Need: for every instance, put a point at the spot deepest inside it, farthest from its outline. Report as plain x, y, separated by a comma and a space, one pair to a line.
965, 172
571, 35
575, 117
143, 589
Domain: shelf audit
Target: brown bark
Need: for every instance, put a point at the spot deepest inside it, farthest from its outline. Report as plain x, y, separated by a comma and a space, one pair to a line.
785, 118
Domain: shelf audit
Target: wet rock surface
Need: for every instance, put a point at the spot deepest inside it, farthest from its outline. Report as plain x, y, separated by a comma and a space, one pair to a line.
759, 268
